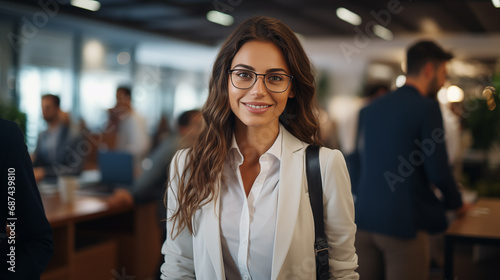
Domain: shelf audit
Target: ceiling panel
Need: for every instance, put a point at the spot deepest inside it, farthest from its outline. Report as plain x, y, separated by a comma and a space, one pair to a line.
186, 19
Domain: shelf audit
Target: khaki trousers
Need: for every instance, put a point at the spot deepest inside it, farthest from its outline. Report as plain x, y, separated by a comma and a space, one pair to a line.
384, 257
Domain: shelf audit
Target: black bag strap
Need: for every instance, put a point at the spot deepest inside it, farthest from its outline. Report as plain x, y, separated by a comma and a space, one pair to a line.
313, 172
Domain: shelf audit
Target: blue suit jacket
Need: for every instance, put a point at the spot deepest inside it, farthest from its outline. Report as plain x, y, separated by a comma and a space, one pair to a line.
400, 151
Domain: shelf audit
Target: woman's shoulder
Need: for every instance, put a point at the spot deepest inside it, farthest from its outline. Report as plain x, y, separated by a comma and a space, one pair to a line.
331, 157
334, 153
325, 152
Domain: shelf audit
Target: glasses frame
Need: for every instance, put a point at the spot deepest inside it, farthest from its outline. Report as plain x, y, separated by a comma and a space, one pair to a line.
230, 72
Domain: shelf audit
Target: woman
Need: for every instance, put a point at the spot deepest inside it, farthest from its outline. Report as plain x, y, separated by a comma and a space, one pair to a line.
238, 205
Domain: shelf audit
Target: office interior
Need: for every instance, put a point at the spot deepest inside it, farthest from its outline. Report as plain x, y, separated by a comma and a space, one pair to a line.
82, 50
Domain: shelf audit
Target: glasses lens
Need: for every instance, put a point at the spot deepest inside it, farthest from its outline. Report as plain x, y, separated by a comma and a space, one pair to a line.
242, 79
277, 82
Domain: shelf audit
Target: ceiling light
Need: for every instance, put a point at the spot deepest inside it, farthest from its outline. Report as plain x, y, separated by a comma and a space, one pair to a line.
220, 18
382, 32
90, 5
496, 3
348, 16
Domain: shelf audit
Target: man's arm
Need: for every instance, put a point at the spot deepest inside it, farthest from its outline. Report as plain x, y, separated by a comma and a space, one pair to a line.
436, 163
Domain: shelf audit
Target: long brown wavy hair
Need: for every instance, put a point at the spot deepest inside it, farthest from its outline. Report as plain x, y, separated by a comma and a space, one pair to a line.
197, 184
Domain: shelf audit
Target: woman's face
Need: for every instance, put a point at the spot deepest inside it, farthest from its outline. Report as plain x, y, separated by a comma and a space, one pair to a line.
258, 107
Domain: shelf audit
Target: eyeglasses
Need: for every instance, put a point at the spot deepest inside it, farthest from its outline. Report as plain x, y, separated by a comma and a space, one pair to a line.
245, 79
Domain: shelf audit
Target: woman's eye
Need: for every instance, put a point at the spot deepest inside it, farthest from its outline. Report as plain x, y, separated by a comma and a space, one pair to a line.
275, 78
243, 74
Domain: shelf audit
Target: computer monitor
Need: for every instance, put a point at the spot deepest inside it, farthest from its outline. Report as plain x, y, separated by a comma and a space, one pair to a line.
117, 168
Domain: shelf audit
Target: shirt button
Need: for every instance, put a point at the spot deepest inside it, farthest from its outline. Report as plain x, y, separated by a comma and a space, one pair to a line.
245, 277
245, 242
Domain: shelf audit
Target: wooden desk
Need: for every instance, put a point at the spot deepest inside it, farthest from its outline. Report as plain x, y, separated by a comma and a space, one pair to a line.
480, 226
92, 241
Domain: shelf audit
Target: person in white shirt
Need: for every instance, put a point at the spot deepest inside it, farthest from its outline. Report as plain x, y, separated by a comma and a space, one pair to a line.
127, 130
237, 201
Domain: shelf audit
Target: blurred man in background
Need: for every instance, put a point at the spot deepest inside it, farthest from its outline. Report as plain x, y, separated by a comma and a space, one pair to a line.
400, 151
55, 152
127, 130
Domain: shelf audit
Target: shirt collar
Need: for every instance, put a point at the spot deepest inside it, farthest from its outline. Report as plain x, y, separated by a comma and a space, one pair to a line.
275, 149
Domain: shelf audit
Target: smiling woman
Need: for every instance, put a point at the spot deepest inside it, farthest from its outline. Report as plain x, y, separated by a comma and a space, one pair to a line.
237, 200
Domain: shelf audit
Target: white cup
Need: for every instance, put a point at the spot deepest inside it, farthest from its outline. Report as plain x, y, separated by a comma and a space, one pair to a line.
67, 186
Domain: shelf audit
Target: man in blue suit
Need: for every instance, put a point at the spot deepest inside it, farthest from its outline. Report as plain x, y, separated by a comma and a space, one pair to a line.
400, 152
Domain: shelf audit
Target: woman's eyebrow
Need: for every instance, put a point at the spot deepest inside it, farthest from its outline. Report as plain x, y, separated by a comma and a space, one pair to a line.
272, 70
244, 66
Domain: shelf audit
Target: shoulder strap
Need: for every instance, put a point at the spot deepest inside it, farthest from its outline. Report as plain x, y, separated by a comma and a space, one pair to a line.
313, 172
315, 188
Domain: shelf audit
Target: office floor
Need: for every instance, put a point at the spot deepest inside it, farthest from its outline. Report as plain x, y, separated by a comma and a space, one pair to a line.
466, 268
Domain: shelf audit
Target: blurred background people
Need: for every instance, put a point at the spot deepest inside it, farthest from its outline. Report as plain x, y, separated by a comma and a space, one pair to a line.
162, 132
55, 152
400, 152
149, 186
126, 129
30, 231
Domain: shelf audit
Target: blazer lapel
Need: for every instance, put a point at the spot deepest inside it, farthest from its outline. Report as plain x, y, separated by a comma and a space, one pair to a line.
211, 230
290, 188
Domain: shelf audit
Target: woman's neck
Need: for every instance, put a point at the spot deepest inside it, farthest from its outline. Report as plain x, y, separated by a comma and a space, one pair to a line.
254, 142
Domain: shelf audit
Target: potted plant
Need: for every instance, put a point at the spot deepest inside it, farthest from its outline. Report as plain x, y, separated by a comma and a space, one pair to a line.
484, 124
12, 113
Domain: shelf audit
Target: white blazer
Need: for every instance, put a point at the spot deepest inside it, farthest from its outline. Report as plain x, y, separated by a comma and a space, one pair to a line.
199, 255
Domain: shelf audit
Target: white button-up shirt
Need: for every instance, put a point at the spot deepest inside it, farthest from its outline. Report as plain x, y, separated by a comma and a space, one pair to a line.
248, 224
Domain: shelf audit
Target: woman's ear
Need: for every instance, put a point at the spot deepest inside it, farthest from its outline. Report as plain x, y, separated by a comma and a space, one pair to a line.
291, 94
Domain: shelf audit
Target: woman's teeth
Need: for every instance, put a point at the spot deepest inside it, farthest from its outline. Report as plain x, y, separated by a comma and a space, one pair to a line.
258, 106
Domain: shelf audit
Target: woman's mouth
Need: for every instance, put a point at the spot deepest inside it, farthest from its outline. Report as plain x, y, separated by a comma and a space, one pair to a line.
257, 106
